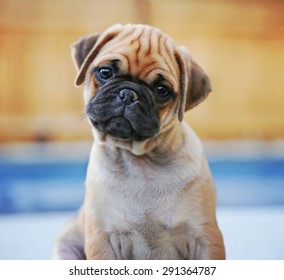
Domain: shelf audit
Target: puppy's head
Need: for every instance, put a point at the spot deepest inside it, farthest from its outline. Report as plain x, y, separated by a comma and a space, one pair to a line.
137, 82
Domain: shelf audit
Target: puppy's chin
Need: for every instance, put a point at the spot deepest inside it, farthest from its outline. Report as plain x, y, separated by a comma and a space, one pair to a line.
137, 148
120, 128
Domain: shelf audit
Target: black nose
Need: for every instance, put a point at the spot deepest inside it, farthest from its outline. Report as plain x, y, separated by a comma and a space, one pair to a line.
128, 96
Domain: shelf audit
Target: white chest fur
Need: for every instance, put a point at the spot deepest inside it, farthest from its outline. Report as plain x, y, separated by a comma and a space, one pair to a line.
132, 189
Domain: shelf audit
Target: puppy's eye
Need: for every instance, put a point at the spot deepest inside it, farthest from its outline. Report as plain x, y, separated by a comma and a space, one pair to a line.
163, 91
105, 73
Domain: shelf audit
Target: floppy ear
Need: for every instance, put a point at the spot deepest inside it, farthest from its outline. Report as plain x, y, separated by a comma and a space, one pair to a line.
81, 48
86, 48
195, 84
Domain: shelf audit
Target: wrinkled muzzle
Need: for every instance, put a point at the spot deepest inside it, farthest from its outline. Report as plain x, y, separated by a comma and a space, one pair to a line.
124, 110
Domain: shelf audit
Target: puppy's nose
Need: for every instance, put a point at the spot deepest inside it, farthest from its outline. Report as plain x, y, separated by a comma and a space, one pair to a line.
128, 96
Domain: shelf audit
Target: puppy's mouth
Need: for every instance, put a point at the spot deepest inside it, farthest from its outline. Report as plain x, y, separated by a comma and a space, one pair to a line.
119, 127
125, 111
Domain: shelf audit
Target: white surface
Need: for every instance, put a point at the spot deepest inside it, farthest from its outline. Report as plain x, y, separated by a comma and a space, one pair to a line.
253, 233
249, 233
29, 236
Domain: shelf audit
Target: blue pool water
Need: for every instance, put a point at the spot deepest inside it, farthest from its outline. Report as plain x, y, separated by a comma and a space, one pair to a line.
54, 185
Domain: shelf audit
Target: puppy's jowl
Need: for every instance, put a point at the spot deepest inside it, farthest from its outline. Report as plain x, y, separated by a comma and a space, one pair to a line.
149, 191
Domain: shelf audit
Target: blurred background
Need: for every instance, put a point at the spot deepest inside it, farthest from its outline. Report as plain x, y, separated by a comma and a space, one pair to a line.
45, 138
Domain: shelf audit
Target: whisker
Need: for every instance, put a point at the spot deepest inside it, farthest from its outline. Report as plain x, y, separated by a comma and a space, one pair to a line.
81, 117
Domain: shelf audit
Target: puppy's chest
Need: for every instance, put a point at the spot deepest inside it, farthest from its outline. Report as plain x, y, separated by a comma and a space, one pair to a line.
146, 225
135, 199
139, 192
142, 207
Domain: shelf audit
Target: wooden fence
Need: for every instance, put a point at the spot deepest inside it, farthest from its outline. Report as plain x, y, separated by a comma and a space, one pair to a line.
240, 44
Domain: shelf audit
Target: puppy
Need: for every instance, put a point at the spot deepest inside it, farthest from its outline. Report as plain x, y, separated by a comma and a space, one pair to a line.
149, 191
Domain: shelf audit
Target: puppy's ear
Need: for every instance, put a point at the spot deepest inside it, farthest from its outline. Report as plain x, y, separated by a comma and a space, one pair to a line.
195, 84
86, 48
82, 47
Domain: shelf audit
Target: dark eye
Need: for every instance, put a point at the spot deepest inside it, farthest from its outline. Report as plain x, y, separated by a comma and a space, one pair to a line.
105, 73
163, 91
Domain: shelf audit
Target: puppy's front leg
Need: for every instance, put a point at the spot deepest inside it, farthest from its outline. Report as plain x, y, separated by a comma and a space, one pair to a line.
206, 243
210, 246
117, 245
97, 246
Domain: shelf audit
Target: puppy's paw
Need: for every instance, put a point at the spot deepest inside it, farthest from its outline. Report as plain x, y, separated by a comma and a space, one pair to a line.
121, 244
189, 245
129, 245
178, 249
183, 248
179, 243
198, 249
